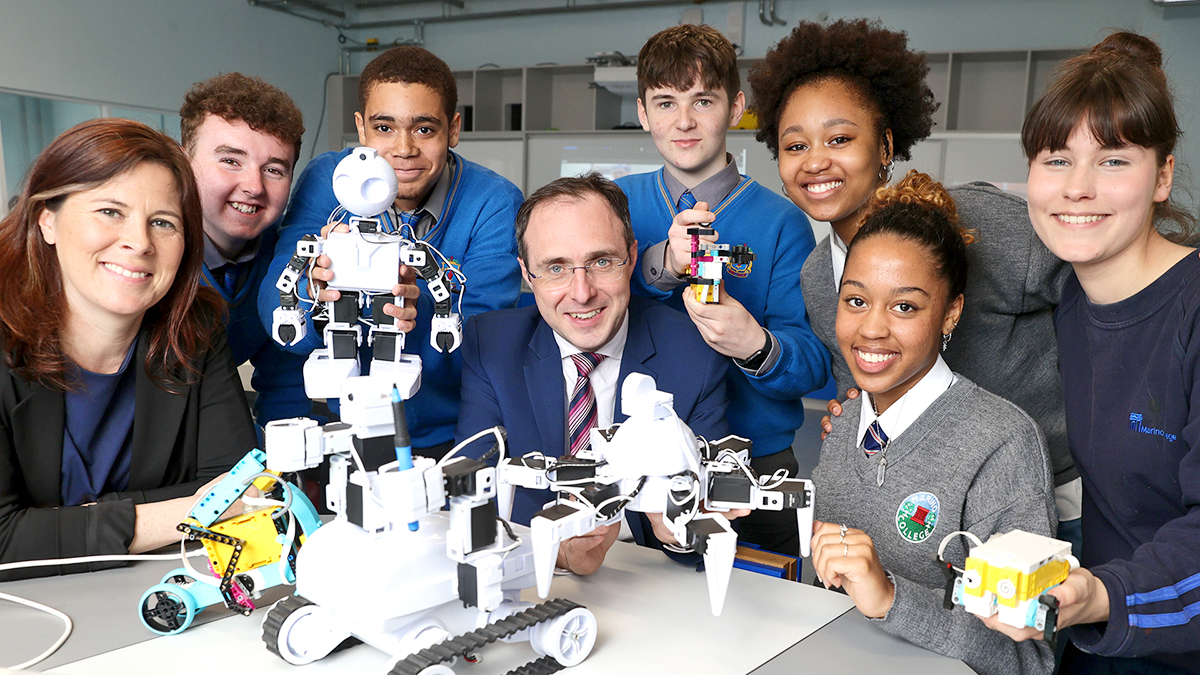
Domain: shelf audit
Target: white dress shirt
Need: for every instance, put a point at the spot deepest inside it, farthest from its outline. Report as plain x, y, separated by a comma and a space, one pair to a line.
838, 250
604, 375
900, 415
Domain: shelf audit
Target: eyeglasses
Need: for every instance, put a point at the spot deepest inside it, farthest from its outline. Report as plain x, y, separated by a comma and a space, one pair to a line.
558, 275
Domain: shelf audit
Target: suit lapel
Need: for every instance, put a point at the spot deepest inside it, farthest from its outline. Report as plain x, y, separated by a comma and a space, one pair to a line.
639, 348
38, 423
157, 419
544, 385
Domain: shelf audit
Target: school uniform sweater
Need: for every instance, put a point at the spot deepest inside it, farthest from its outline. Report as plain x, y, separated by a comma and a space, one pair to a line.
1004, 340
764, 407
278, 375
475, 233
971, 461
1130, 373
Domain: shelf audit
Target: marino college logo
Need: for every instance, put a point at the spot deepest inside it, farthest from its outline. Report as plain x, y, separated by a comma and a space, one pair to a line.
1135, 424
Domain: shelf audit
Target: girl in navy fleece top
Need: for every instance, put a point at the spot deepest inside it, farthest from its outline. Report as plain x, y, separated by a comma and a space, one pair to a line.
1100, 145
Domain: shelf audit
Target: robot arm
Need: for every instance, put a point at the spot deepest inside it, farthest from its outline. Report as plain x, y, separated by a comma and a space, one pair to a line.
288, 326
733, 485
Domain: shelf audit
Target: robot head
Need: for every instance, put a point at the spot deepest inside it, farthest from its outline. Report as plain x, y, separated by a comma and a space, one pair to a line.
364, 183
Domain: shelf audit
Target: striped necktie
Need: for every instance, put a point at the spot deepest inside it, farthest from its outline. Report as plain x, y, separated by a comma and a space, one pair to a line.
227, 275
581, 416
687, 201
411, 220
875, 439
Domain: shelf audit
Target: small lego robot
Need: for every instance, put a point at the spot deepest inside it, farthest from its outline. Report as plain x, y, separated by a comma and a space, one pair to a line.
248, 553
708, 264
1009, 576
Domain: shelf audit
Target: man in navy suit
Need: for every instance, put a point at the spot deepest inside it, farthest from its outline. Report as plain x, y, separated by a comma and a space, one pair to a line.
524, 368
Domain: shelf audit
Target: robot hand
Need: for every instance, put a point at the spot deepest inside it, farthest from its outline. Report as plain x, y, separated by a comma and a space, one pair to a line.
445, 333
288, 326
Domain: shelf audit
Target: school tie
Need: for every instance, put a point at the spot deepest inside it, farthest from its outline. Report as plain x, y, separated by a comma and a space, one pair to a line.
411, 220
227, 275
875, 440
581, 417
687, 201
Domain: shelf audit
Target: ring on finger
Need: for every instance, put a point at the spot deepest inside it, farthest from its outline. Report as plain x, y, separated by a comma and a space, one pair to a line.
845, 549
841, 533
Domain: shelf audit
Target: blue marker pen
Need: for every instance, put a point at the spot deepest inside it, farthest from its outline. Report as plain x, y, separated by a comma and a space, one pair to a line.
402, 441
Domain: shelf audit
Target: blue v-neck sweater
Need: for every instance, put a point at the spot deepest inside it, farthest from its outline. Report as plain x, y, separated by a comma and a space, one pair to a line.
765, 408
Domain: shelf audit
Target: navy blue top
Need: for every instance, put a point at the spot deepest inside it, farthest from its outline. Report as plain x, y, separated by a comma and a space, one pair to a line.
98, 432
1130, 374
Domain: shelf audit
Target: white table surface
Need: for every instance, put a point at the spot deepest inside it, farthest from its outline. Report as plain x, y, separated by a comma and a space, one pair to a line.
653, 617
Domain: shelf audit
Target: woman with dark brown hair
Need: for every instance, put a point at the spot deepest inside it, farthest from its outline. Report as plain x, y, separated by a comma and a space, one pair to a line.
1102, 169
118, 398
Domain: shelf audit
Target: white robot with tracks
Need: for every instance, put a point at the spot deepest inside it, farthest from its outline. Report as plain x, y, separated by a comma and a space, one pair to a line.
416, 562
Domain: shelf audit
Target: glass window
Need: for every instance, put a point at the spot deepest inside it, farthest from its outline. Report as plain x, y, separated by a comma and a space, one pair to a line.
29, 123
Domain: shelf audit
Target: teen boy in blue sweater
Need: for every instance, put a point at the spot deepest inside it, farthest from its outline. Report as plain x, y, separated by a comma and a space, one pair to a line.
689, 97
407, 99
243, 137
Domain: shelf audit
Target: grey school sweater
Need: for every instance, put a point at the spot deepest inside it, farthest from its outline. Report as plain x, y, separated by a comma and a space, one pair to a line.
972, 461
1005, 339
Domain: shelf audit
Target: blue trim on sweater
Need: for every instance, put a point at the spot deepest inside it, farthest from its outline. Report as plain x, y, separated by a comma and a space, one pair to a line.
766, 409
1164, 620
475, 230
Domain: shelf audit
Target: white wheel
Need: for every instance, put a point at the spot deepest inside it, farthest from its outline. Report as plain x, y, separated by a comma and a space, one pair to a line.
1006, 589
437, 669
971, 579
567, 639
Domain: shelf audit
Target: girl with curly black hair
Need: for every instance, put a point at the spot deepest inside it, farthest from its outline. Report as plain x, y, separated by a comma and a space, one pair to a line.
838, 104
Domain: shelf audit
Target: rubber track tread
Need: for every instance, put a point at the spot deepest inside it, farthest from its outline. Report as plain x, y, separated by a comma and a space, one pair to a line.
273, 622
542, 666
466, 643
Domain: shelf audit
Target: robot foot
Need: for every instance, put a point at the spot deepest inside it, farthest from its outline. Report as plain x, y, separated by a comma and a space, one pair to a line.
563, 632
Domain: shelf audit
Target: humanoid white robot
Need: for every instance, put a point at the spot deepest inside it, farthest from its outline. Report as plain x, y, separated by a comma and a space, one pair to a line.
366, 265
653, 463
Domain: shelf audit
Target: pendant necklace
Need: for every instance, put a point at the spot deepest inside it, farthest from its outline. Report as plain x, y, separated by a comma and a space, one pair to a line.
884, 445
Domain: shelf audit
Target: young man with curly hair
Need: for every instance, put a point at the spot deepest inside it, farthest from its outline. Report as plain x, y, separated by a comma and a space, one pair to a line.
689, 96
243, 137
407, 99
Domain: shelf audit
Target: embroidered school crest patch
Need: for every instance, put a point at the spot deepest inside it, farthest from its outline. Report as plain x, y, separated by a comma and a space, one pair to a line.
917, 516
454, 274
740, 270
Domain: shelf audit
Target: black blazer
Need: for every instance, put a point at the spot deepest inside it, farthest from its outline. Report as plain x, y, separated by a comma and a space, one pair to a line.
180, 442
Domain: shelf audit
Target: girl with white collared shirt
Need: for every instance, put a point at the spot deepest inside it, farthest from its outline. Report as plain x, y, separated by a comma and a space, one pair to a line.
839, 104
923, 452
